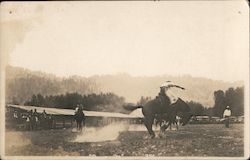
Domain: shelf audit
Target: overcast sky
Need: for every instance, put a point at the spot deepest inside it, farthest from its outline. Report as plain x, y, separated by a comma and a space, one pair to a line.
200, 38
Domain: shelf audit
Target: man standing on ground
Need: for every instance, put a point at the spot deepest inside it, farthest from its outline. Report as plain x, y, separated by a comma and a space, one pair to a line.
44, 120
36, 120
226, 115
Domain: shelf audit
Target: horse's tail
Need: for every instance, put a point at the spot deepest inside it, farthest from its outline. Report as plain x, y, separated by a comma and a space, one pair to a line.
131, 107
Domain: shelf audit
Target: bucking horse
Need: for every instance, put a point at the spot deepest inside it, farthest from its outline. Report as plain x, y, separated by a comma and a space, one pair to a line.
154, 108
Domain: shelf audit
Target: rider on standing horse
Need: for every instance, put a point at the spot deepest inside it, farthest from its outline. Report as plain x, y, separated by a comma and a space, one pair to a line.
79, 117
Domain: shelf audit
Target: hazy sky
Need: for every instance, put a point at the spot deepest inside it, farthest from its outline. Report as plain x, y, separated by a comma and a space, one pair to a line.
200, 38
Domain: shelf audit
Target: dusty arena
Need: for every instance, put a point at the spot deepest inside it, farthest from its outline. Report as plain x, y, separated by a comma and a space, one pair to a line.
122, 140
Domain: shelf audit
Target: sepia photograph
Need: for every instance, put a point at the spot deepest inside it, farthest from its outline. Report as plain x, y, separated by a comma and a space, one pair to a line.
124, 80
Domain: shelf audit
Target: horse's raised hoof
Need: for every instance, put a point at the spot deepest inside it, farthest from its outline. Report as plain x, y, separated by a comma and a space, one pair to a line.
160, 135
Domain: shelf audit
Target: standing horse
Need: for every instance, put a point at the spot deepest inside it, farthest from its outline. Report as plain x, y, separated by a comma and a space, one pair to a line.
80, 118
154, 107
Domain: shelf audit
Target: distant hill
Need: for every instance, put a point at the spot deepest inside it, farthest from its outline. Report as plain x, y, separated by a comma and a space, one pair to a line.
21, 84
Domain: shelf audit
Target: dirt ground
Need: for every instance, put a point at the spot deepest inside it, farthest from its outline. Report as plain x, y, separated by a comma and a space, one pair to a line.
189, 140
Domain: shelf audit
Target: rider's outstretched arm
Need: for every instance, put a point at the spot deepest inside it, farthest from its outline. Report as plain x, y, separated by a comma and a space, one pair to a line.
178, 87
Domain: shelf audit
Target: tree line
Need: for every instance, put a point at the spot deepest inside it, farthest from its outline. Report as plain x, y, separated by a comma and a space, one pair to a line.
234, 98
94, 102
231, 97
113, 103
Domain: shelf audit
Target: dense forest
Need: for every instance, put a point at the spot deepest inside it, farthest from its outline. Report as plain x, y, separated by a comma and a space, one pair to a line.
231, 97
93, 102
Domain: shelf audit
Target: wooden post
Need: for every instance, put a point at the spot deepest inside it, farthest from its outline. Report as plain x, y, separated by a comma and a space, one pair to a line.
63, 122
54, 123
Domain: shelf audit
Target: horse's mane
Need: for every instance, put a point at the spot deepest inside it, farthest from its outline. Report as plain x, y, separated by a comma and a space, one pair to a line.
186, 107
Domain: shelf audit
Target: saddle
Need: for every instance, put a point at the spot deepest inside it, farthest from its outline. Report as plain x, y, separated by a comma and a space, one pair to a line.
163, 100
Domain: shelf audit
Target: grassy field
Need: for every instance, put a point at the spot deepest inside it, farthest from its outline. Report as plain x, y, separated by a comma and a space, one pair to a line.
189, 140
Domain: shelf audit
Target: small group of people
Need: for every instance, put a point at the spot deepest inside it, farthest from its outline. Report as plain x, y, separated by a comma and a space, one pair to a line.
33, 120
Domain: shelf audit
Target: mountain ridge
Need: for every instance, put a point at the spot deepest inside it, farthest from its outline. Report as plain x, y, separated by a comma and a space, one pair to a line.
22, 83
